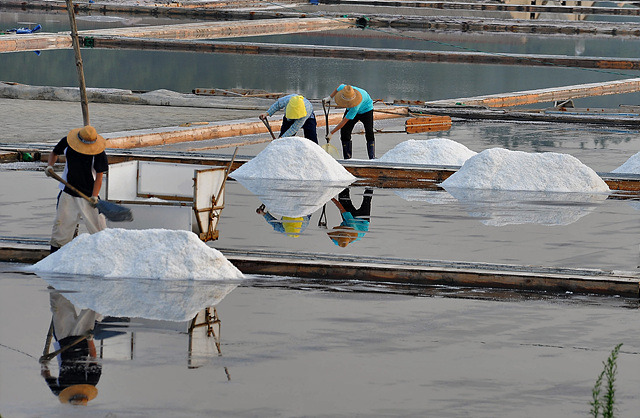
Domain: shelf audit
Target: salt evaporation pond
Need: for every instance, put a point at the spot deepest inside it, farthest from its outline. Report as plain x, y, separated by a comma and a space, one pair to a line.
149, 253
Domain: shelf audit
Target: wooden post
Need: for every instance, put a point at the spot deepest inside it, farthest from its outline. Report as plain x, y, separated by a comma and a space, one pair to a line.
76, 49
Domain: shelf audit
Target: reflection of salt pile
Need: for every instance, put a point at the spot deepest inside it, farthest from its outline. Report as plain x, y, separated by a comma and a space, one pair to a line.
164, 300
631, 166
291, 197
293, 158
436, 151
148, 253
501, 169
506, 207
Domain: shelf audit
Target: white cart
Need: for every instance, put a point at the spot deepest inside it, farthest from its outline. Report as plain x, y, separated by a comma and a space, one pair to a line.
169, 196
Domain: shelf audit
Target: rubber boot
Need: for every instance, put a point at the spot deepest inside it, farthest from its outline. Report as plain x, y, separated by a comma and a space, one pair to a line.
346, 150
371, 150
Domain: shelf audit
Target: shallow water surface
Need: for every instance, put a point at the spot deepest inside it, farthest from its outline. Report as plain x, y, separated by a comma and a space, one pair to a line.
309, 348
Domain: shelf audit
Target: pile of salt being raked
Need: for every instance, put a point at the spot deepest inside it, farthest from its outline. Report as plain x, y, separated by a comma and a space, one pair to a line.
631, 166
501, 169
293, 158
147, 253
436, 151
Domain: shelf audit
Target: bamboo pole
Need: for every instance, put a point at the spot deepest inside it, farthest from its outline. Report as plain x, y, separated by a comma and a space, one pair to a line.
84, 102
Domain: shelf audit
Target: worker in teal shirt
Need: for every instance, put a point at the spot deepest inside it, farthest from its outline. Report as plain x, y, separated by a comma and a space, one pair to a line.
359, 108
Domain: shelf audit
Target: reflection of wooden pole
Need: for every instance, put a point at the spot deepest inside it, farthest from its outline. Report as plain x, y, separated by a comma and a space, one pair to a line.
76, 49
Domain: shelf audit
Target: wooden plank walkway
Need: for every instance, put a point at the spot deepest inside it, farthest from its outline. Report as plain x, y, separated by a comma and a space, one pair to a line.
394, 270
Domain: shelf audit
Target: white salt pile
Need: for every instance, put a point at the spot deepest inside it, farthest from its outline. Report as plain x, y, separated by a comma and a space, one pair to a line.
293, 158
501, 169
436, 151
631, 166
148, 253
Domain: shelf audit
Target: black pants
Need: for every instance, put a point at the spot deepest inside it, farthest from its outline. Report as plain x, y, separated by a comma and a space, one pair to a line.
345, 134
364, 211
309, 128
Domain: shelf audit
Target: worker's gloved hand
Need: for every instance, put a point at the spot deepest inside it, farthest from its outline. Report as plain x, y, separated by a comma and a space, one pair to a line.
94, 200
326, 100
48, 171
328, 136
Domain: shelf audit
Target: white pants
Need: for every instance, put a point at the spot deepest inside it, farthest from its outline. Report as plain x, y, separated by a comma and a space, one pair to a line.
66, 321
70, 211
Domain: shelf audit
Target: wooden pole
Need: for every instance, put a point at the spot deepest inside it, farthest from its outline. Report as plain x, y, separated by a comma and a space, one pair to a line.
76, 49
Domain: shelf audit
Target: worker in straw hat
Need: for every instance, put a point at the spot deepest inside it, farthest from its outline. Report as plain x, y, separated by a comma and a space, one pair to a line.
359, 108
78, 369
298, 113
355, 222
290, 226
85, 164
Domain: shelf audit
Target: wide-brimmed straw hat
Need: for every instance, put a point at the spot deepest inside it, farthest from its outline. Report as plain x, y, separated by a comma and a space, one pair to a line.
78, 394
86, 140
348, 97
343, 235
295, 108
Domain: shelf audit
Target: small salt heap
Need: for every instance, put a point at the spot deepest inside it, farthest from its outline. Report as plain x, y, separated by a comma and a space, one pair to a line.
436, 151
631, 166
148, 253
501, 169
293, 158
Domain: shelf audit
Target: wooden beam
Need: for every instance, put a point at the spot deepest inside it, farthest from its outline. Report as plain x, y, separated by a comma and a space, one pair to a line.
518, 98
210, 30
492, 7
34, 42
215, 130
359, 53
409, 272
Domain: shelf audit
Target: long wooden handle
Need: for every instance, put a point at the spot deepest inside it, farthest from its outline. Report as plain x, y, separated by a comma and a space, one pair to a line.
63, 181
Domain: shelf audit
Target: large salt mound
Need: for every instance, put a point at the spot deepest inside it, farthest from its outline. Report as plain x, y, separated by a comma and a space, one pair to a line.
631, 166
436, 151
293, 158
501, 169
148, 253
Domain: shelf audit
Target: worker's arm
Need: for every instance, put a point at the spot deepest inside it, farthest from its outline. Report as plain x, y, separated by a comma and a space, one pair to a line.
53, 157
97, 185
339, 126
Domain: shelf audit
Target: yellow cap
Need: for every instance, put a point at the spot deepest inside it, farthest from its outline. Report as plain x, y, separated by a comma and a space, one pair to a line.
295, 108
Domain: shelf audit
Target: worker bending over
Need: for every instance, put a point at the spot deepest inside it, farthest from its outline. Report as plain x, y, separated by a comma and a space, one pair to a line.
359, 107
298, 114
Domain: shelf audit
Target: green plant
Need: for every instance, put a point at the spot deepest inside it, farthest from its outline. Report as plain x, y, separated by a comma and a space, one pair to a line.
605, 402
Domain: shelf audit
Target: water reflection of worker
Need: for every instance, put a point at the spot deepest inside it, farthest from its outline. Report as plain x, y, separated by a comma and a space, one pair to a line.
355, 222
78, 370
298, 114
290, 226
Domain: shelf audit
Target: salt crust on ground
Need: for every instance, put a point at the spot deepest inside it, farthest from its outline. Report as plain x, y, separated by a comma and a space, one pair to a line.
631, 166
501, 169
149, 253
293, 158
436, 151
